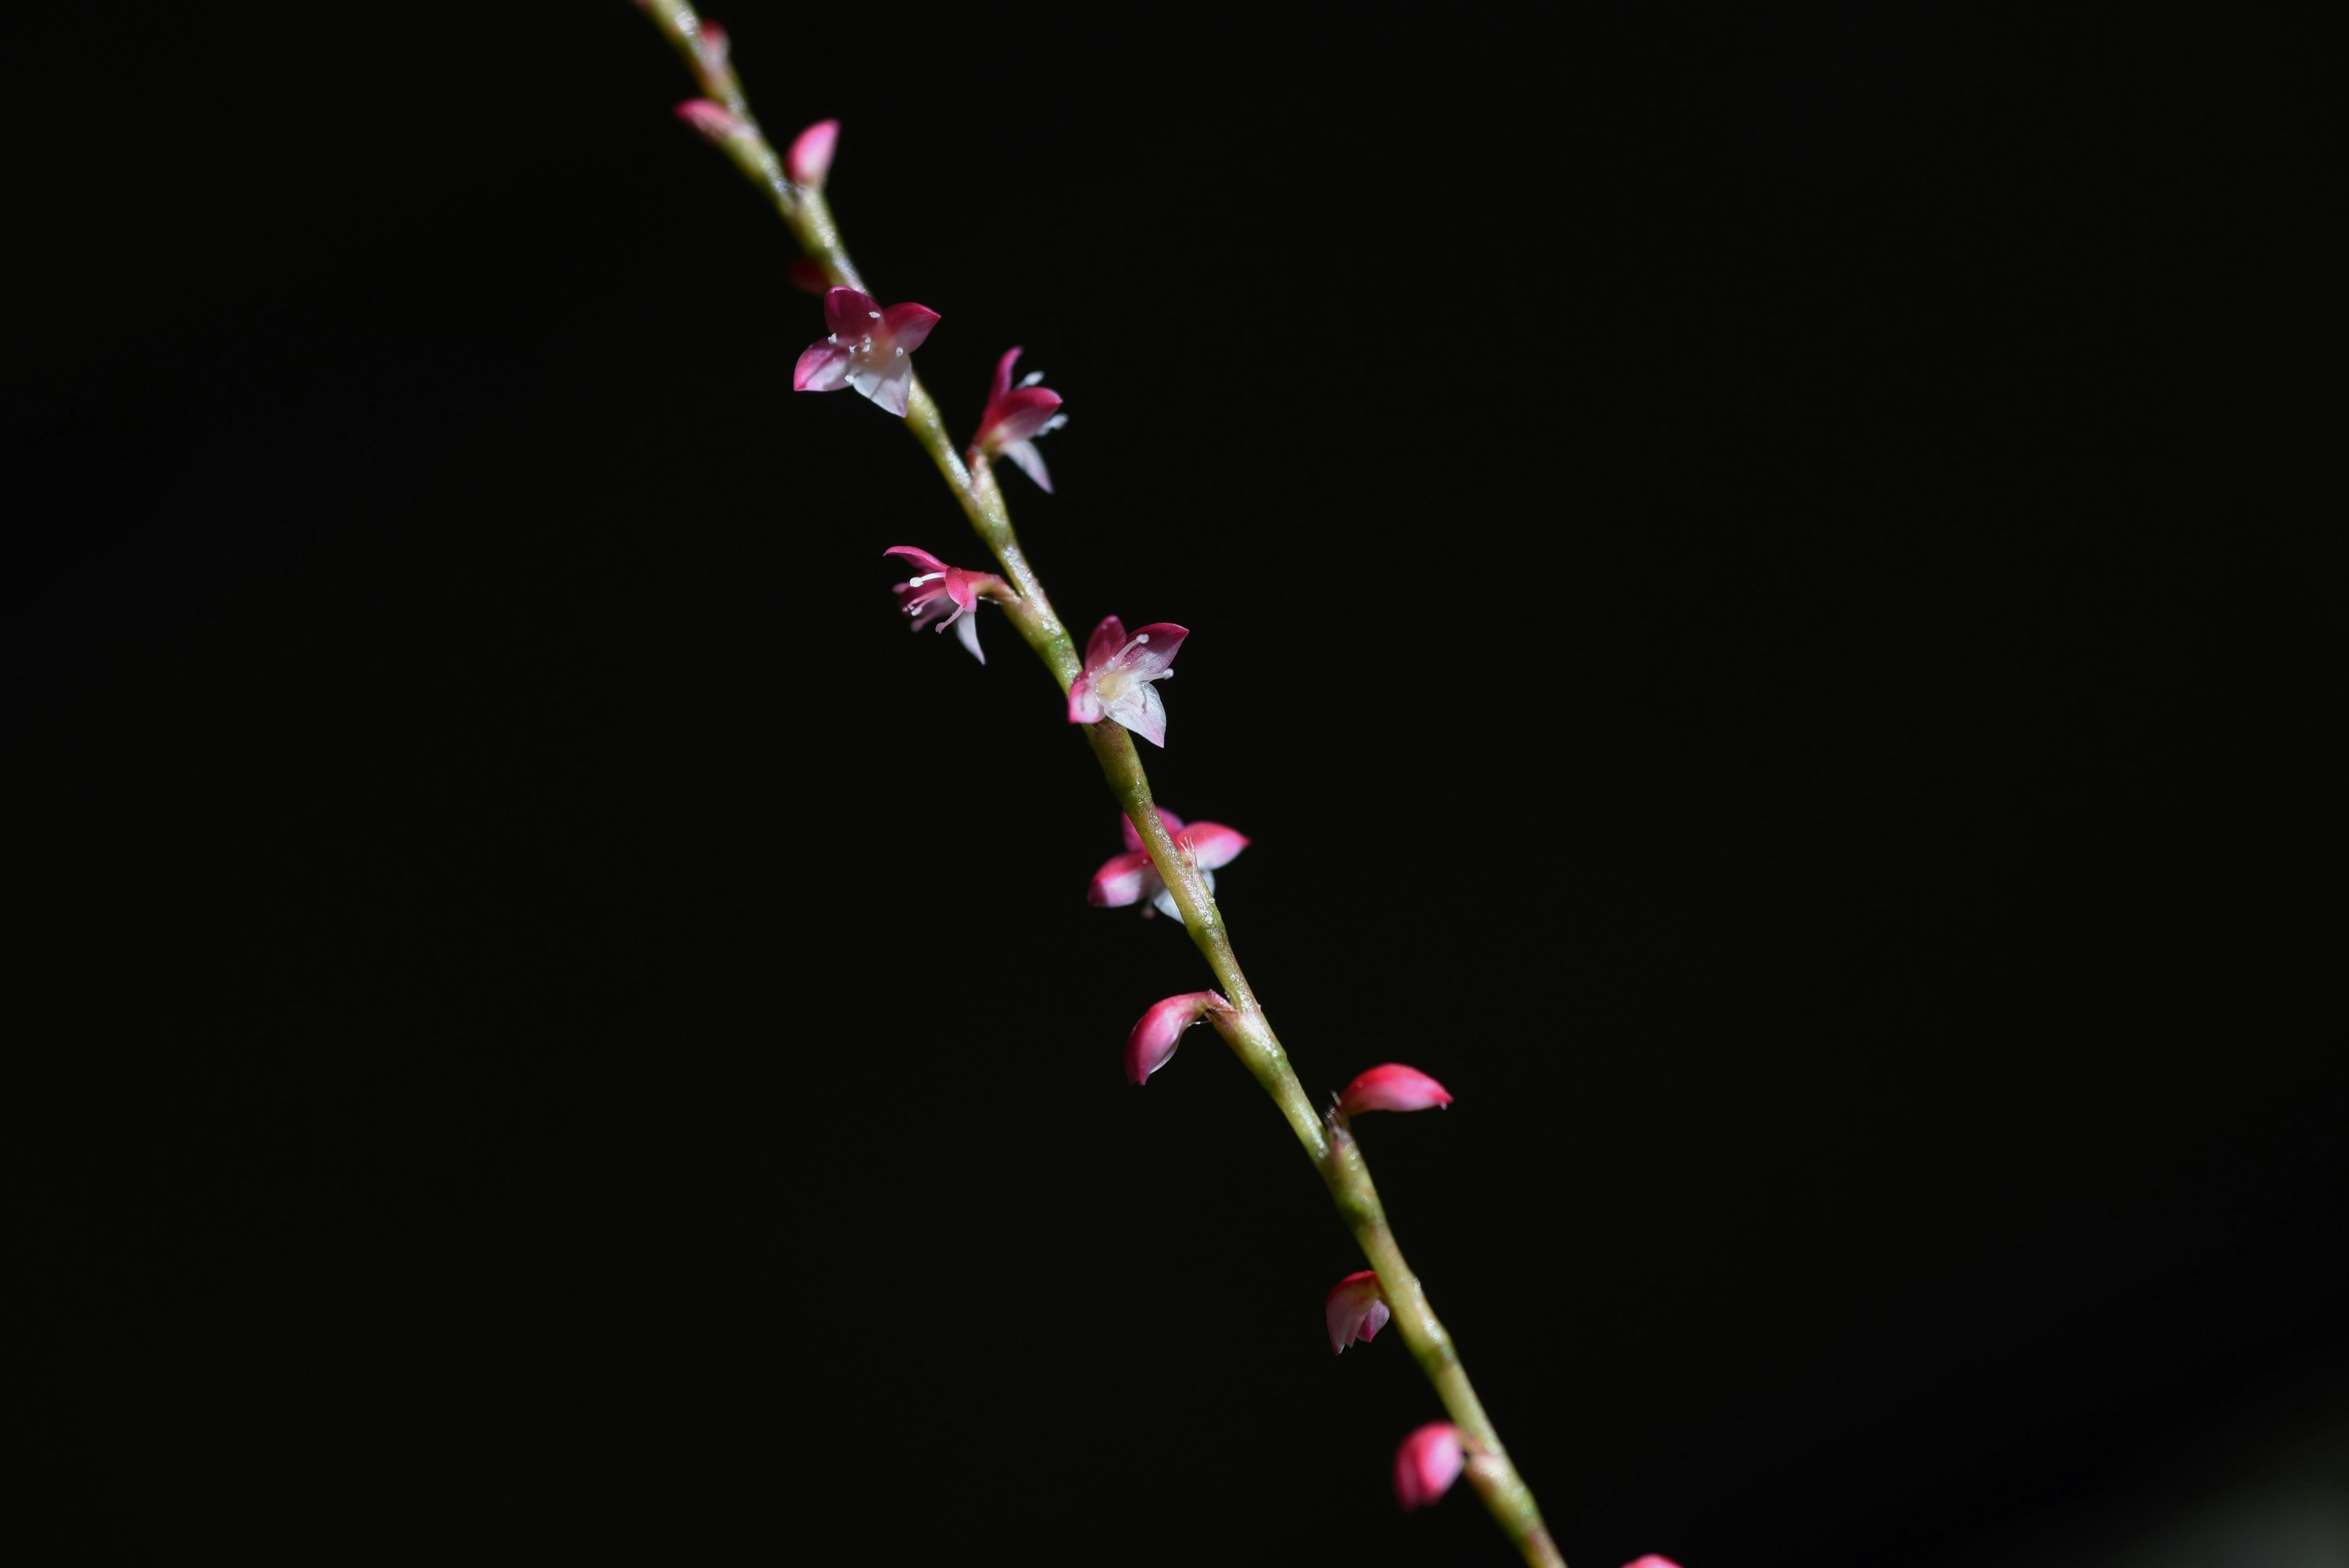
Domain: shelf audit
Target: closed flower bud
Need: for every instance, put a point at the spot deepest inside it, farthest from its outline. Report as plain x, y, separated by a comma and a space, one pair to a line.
1152, 1044
1427, 1464
1392, 1086
1356, 1309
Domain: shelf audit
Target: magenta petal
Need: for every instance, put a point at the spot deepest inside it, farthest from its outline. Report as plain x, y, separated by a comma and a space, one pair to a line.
1032, 463
1393, 1087
1084, 708
822, 367
1152, 1044
1427, 1463
1017, 416
1348, 1308
849, 312
1133, 839
1150, 658
1652, 1561
1213, 845
713, 119
918, 556
1121, 880
1107, 638
810, 159
1002, 383
907, 325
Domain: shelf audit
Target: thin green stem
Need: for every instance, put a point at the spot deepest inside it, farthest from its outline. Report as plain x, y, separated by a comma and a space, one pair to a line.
1328, 1141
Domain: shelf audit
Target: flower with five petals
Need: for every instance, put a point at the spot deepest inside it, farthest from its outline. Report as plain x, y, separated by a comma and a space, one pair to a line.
1015, 417
1118, 675
1130, 878
868, 349
946, 595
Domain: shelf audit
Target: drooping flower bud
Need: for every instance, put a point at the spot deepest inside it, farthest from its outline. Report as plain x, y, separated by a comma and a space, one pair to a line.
1427, 1464
1152, 1044
712, 119
1652, 1561
1356, 1309
810, 159
1392, 1086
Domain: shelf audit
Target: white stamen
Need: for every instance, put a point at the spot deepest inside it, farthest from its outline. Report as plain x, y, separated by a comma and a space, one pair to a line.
1032, 377
873, 313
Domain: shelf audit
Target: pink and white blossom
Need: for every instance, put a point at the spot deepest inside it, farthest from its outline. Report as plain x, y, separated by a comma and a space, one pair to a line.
1356, 1309
1119, 673
810, 159
1130, 878
1427, 1463
1015, 417
1152, 1044
946, 595
868, 349
1392, 1086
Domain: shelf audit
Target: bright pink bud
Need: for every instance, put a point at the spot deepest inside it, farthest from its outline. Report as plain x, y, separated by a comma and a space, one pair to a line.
1130, 878
1152, 1044
1392, 1086
807, 273
1427, 1464
1356, 1308
1119, 671
1652, 1561
945, 594
810, 159
868, 349
1015, 417
714, 120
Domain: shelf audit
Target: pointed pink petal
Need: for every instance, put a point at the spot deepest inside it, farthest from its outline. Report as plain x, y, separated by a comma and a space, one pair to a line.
1152, 1044
1150, 658
966, 629
1084, 708
918, 556
1107, 638
1427, 1464
1138, 707
810, 159
1017, 416
907, 325
1002, 383
1212, 844
1393, 1087
1348, 1308
962, 588
1030, 463
1121, 880
1133, 839
1652, 1561
849, 312
822, 367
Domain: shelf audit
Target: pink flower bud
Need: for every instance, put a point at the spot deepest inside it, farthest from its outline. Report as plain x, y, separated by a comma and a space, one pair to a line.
1152, 1044
810, 159
714, 120
1356, 1309
1652, 1561
1392, 1086
1427, 1464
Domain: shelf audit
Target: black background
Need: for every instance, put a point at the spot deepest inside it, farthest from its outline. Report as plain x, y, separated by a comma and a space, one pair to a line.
1745, 583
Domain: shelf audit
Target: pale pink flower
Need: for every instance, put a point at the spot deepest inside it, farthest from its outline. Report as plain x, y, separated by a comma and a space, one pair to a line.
1015, 417
1356, 1308
1392, 1086
810, 159
1152, 1044
1118, 675
868, 349
1130, 878
945, 594
1427, 1463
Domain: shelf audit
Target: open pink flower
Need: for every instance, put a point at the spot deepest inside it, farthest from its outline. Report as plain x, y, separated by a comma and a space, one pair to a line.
1392, 1086
810, 159
945, 594
1015, 417
1152, 1044
1427, 1463
1130, 878
868, 349
1356, 1308
1118, 675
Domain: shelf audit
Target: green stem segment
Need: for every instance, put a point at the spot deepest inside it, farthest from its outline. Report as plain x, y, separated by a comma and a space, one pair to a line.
1328, 1141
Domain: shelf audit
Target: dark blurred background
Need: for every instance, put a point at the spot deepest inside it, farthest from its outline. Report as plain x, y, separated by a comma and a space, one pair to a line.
1746, 584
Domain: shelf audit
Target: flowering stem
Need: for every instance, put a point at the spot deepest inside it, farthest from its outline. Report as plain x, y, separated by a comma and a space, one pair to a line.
1329, 1142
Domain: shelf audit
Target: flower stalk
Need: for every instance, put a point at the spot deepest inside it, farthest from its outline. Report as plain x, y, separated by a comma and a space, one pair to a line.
1327, 1140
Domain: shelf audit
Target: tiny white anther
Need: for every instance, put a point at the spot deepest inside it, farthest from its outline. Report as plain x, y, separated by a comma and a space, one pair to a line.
873, 313
1032, 377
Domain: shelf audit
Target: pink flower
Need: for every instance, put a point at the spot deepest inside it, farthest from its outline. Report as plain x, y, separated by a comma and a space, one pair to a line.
1118, 670
1152, 1044
868, 348
1356, 1308
1427, 1464
810, 159
1015, 417
1392, 1086
1130, 878
945, 594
